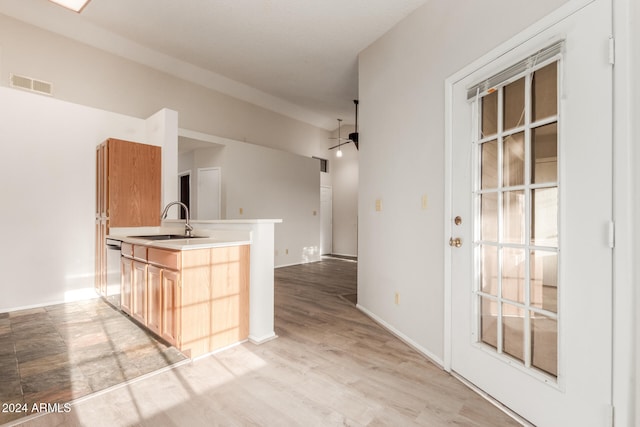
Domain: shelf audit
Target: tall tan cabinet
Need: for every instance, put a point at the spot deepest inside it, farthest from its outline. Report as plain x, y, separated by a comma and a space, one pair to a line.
128, 192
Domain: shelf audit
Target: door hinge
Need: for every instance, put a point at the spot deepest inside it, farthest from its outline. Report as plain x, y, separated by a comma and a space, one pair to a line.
610, 415
612, 50
612, 234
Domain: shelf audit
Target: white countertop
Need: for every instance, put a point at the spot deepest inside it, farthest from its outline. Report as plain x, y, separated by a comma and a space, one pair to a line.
212, 239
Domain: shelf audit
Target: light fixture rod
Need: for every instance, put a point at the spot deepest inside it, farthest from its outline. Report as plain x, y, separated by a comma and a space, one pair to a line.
339, 152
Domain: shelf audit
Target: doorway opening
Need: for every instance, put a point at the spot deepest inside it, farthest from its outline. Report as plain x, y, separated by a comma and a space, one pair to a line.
184, 191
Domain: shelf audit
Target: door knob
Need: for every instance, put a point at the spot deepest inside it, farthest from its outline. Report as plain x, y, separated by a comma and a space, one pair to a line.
457, 242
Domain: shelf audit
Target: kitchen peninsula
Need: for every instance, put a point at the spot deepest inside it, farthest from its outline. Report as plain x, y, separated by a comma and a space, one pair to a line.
204, 293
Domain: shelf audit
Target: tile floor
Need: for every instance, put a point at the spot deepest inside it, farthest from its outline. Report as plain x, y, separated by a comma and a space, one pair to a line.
62, 352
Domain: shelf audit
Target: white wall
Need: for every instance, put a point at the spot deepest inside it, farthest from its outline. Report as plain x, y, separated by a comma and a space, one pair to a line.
162, 130
89, 76
344, 183
266, 183
47, 170
401, 248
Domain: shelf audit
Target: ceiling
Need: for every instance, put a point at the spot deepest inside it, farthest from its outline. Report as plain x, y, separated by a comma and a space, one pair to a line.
297, 57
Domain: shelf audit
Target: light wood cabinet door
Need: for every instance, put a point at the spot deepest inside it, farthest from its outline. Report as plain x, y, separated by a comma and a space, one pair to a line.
126, 269
139, 290
154, 299
134, 184
171, 307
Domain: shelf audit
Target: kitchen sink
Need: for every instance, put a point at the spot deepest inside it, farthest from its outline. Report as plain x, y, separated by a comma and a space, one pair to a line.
167, 237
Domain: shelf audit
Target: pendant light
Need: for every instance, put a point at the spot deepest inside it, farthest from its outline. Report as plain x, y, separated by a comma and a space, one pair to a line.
339, 152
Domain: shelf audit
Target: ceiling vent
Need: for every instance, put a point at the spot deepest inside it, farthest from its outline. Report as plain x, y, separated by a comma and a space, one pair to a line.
32, 85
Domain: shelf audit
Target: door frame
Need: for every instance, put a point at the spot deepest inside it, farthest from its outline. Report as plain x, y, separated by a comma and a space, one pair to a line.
550, 20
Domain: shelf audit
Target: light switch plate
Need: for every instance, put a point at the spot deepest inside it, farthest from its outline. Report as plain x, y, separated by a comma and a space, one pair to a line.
378, 205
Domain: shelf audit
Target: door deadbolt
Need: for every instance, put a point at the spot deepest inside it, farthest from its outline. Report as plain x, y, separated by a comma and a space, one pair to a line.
457, 220
457, 242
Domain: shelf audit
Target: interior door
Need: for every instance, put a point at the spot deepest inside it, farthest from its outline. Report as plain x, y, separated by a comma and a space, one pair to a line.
531, 205
209, 193
326, 220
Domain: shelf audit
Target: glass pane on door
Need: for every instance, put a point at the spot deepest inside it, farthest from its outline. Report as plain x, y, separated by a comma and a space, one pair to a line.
489, 277
489, 322
544, 217
513, 275
513, 114
544, 153
544, 343
544, 280
513, 163
544, 95
489, 214
513, 327
517, 236
490, 164
490, 114
513, 217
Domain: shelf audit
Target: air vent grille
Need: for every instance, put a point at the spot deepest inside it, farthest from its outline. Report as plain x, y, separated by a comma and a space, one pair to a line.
32, 85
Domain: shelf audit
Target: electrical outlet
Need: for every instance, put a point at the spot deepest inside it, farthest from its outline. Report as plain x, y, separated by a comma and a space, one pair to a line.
378, 205
241, 211
286, 251
397, 298
424, 202
315, 213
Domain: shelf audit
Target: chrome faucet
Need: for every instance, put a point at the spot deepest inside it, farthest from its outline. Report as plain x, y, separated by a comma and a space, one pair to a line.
187, 227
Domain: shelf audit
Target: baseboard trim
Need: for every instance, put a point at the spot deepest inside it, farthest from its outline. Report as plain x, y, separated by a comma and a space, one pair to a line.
340, 257
83, 296
262, 340
402, 337
347, 255
297, 263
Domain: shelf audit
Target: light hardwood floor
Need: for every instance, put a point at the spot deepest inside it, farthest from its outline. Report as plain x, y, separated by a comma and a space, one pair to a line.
330, 366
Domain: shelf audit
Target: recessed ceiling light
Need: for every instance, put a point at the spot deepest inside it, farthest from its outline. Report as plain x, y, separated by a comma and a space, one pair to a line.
75, 5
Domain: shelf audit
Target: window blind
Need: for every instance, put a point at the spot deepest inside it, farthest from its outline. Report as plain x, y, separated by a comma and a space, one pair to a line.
506, 76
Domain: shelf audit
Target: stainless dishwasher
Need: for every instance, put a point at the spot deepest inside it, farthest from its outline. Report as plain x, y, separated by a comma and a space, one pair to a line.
113, 271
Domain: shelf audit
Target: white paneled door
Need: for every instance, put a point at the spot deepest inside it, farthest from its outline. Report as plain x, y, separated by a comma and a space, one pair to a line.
531, 237
326, 220
209, 193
